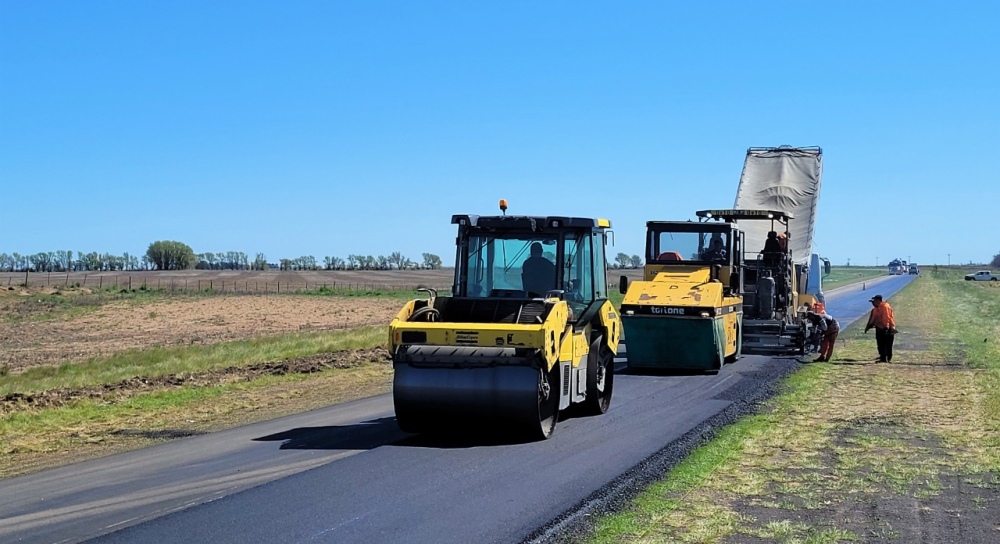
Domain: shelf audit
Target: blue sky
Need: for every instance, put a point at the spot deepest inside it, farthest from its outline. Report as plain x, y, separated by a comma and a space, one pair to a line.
337, 128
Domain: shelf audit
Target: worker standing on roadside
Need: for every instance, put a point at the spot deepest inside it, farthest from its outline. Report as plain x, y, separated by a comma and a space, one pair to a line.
829, 336
884, 323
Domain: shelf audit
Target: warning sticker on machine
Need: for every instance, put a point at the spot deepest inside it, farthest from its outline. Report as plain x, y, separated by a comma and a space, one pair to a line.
466, 337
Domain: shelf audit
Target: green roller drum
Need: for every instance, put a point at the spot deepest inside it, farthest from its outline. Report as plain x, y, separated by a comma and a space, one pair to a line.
674, 343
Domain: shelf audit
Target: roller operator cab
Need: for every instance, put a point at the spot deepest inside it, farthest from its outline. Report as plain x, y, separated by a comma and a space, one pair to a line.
687, 312
527, 331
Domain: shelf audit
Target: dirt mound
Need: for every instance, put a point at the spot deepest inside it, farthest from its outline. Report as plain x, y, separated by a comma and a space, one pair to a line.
116, 392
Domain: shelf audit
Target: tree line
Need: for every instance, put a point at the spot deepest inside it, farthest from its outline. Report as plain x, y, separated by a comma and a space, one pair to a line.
623, 260
173, 255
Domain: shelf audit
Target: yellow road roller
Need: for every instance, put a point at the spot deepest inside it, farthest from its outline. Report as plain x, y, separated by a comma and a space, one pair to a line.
687, 311
526, 333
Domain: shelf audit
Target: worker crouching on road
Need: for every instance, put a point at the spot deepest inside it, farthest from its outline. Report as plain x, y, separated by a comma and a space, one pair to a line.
884, 323
829, 336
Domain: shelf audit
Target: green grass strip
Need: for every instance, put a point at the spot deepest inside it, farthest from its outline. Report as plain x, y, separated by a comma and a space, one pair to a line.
158, 362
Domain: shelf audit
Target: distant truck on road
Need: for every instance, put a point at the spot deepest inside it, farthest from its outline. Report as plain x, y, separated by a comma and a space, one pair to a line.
982, 275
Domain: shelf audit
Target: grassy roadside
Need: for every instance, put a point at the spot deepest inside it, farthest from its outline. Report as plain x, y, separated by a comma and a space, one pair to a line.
843, 275
132, 400
158, 362
853, 450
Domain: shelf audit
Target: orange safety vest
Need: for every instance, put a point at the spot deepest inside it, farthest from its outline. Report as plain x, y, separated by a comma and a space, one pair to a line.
881, 316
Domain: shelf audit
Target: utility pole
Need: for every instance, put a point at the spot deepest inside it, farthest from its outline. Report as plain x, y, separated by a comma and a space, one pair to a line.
949, 259
876, 262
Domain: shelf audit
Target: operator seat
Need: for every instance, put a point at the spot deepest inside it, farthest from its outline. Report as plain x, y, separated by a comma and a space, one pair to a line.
669, 256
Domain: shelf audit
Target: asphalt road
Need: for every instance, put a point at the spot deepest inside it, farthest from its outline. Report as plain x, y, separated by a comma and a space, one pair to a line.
346, 473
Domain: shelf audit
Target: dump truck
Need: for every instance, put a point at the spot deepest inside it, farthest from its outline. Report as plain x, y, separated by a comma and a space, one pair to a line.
526, 333
785, 179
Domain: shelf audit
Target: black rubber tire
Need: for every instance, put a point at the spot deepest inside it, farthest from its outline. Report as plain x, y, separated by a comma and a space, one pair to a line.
730, 359
600, 379
548, 406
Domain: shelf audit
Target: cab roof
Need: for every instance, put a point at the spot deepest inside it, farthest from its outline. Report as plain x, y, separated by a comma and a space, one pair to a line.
523, 222
739, 214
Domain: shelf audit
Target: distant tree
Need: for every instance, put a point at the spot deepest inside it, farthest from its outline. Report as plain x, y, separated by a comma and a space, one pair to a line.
90, 261
41, 262
432, 261
170, 255
398, 260
260, 262
623, 260
995, 263
636, 261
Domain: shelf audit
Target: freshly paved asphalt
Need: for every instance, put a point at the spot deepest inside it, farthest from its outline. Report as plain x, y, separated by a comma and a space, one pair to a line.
347, 474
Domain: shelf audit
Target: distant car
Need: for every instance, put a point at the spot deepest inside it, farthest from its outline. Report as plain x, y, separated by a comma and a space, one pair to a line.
914, 270
982, 275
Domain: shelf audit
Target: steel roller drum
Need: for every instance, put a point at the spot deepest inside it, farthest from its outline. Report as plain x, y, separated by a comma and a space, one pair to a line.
443, 388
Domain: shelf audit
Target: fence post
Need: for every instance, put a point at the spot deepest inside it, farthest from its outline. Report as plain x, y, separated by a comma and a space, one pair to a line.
100, 282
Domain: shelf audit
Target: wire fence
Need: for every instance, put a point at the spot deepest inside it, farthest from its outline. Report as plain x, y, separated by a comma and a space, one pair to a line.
130, 282
249, 286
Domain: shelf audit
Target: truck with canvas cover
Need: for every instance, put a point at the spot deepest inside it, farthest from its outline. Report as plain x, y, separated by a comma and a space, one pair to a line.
526, 333
686, 312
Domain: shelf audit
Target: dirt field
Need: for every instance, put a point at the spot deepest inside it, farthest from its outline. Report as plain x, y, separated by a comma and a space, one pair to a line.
124, 325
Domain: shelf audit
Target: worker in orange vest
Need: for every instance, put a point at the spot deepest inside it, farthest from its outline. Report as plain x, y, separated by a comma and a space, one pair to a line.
884, 323
829, 336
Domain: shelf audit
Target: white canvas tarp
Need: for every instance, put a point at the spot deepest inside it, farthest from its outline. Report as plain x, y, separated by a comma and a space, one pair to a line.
785, 179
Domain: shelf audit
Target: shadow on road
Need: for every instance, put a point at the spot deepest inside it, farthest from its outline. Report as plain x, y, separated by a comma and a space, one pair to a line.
668, 372
384, 431
360, 436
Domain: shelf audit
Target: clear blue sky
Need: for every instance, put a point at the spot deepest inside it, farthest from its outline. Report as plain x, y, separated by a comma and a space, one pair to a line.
334, 128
